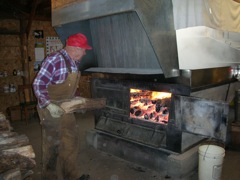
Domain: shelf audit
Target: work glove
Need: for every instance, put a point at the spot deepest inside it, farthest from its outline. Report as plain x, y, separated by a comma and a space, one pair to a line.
55, 110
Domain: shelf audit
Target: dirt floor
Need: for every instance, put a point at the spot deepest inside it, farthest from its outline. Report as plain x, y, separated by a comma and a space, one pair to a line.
102, 166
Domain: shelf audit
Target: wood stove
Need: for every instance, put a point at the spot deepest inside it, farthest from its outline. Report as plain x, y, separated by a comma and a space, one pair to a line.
116, 118
154, 142
172, 123
137, 45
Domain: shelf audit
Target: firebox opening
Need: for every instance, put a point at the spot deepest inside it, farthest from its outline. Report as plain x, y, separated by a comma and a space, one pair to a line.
150, 106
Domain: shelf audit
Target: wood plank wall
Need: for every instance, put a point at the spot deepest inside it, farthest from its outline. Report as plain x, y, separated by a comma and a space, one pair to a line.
10, 58
48, 31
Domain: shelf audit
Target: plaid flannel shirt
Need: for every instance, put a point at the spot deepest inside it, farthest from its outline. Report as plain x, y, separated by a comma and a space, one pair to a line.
53, 71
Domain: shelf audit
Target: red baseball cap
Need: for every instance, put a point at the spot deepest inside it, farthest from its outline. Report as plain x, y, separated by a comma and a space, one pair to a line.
78, 40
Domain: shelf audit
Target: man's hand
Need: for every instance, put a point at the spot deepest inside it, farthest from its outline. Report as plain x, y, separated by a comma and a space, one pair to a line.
55, 110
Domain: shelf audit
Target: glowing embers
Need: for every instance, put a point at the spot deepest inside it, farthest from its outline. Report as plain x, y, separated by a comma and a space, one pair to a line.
150, 105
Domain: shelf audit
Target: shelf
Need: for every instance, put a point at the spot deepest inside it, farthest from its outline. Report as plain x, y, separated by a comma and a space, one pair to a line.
7, 94
9, 76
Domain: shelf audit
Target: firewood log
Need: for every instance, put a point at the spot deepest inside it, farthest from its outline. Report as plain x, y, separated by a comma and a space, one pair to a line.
15, 153
12, 174
2, 116
78, 104
26, 151
5, 126
12, 161
12, 142
7, 134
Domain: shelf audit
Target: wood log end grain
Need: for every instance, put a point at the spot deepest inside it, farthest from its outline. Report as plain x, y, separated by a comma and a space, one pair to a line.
26, 151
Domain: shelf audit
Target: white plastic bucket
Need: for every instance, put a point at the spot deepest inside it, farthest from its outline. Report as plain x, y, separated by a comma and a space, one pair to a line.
210, 162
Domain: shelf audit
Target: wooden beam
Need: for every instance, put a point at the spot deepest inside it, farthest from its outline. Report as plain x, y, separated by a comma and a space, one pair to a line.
24, 50
31, 18
16, 5
7, 15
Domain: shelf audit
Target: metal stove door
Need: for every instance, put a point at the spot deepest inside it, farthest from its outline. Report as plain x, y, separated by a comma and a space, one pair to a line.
201, 116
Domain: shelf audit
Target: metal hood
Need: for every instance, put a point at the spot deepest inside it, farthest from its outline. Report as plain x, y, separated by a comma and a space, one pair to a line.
128, 36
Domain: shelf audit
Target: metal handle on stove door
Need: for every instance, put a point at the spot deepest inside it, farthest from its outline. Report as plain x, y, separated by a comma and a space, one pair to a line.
119, 131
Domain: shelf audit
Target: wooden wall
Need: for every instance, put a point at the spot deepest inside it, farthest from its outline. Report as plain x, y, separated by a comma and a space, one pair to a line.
48, 31
10, 59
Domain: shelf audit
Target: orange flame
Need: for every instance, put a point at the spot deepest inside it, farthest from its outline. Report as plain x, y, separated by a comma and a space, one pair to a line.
135, 90
150, 105
160, 95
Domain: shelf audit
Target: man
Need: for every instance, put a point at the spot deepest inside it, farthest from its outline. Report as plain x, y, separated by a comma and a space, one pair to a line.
57, 80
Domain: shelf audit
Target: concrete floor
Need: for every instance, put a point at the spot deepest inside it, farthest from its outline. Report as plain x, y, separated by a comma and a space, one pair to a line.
102, 166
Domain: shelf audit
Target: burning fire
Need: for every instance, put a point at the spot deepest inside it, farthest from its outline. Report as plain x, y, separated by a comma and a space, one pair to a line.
150, 105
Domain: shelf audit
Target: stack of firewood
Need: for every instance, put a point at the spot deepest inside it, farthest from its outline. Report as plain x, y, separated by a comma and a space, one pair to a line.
16, 155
